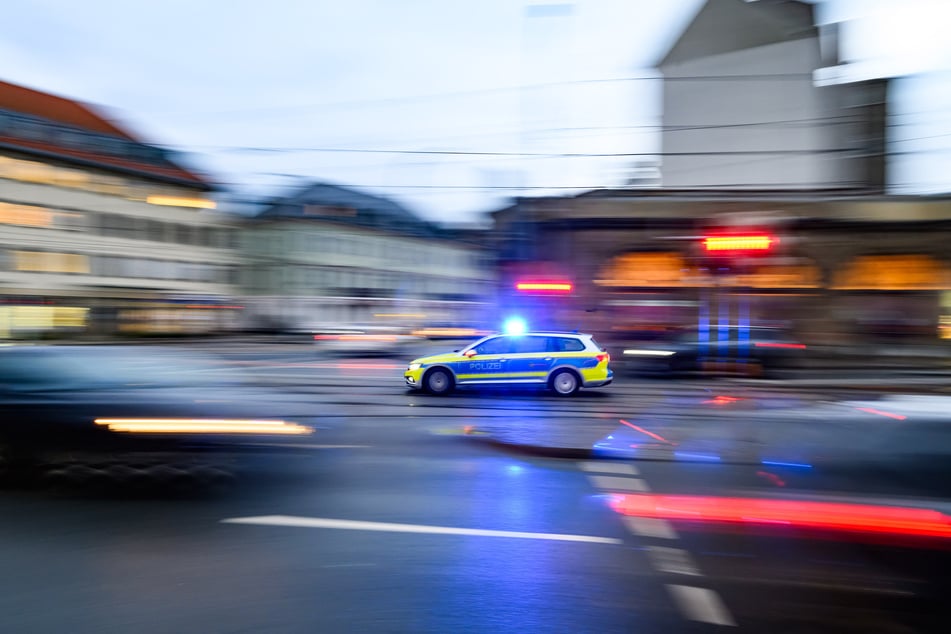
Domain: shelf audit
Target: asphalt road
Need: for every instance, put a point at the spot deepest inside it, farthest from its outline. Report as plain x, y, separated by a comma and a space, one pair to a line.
395, 522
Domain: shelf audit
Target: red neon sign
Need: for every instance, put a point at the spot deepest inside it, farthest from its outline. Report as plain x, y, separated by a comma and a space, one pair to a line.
556, 287
739, 243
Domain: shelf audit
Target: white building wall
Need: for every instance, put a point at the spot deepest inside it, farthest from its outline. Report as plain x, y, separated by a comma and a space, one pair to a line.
770, 127
297, 273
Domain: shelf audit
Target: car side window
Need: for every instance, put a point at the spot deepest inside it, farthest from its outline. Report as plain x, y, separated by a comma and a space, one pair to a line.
499, 345
565, 344
528, 345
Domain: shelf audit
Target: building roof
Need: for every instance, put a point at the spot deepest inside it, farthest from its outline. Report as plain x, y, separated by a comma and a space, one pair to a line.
58, 109
333, 203
52, 127
727, 195
724, 26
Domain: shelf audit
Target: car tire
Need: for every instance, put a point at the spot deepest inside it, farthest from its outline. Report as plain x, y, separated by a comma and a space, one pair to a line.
565, 383
438, 382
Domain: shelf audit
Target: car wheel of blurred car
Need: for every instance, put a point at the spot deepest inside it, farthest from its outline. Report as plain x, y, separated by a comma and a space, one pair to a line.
565, 382
437, 381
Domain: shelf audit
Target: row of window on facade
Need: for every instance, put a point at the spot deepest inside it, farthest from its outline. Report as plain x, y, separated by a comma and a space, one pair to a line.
27, 171
116, 266
31, 128
305, 280
393, 251
116, 225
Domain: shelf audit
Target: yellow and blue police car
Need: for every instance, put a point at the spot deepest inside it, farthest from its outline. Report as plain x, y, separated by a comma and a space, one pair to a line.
559, 361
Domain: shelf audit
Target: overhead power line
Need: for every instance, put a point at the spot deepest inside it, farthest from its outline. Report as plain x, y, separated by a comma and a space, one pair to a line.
813, 121
487, 91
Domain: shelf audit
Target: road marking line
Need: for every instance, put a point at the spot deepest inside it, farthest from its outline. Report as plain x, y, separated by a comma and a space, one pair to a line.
701, 604
650, 527
673, 560
326, 522
609, 467
617, 483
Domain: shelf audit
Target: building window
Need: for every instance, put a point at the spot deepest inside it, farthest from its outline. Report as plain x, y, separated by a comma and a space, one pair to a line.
49, 262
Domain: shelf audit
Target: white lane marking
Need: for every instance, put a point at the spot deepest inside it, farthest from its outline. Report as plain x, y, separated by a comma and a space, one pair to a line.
701, 604
609, 467
673, 560
354, 525
650, 527
617, 483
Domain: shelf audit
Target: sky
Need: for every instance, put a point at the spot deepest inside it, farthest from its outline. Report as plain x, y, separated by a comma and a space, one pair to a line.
441, 104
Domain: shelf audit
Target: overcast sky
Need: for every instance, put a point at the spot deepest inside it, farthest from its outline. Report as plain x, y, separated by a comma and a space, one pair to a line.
253, 89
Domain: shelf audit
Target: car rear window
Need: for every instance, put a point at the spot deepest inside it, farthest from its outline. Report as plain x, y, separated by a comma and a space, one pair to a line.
564, 344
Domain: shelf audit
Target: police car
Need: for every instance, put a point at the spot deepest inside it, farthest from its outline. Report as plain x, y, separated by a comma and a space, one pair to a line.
560, 361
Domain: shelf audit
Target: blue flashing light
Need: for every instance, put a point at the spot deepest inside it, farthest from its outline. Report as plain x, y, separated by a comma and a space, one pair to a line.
515, 326
514, 469
798, 465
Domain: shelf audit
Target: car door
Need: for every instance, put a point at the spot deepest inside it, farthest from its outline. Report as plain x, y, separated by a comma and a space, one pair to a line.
488, 364
531, 360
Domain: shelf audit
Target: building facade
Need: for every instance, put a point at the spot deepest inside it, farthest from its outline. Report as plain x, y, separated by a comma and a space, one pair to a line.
329, 256
100, 232
844, 268
741, 108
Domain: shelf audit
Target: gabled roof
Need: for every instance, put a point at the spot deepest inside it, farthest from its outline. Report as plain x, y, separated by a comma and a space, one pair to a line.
333, 203
58, 109
724, 26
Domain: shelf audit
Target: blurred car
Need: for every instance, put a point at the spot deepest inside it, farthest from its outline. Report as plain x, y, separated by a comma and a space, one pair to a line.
751, 350
449, 331
562, 362
364, 340
112, 410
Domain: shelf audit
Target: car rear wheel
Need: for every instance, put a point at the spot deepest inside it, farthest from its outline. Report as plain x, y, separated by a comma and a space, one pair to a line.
438, 381
565, 383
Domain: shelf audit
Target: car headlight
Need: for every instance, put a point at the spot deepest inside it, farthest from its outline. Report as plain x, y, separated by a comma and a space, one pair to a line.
414, 366
202, 426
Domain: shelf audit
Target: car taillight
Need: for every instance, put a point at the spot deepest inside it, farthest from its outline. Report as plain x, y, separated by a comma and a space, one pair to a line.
604, 356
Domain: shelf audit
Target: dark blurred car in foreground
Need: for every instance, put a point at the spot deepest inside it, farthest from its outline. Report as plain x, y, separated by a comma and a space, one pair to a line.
126, 412
751, 350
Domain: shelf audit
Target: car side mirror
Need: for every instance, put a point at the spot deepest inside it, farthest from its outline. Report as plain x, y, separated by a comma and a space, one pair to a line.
469, 353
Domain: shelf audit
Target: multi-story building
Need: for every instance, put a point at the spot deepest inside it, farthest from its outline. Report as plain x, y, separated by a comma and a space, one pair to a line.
101, 232
329, 256
752, 145
841, 268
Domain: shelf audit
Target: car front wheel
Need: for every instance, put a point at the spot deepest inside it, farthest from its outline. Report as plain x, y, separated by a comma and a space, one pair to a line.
438, 382
565, 383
